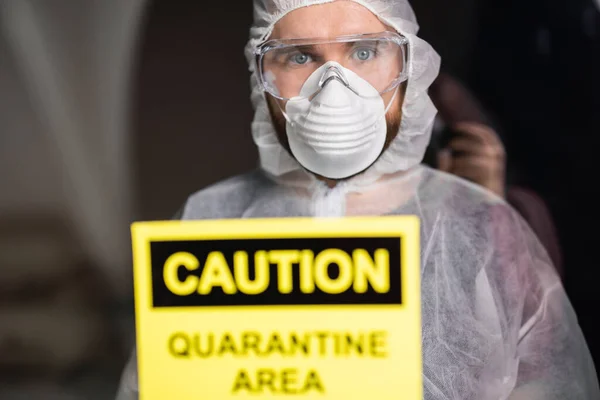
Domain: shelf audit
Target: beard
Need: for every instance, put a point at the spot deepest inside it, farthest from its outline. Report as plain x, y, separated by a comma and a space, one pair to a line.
393, 120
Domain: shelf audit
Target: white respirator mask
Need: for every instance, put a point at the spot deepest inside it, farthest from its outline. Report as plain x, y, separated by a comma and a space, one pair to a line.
337, 132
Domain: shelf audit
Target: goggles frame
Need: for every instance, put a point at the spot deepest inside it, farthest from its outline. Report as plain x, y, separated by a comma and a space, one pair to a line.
272, 44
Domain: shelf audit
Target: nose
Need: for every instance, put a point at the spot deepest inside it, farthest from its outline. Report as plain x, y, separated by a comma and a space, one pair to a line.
333, 71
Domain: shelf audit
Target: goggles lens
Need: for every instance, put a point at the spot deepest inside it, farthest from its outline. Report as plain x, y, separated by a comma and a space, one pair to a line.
285, 65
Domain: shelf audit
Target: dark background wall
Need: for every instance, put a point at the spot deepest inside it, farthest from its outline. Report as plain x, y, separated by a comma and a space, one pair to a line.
192, 110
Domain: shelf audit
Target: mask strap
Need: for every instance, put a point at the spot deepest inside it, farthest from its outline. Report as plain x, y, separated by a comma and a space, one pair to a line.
392, 100
284, 113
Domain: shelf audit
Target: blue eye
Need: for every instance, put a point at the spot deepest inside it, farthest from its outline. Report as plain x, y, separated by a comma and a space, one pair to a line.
364, 54
300, 58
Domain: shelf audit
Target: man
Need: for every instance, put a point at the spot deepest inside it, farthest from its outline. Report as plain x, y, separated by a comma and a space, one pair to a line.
342, 121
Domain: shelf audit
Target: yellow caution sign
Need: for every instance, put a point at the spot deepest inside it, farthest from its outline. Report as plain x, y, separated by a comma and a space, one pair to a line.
283, 308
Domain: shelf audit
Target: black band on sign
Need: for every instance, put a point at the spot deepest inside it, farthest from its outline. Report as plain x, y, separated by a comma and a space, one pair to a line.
256, 272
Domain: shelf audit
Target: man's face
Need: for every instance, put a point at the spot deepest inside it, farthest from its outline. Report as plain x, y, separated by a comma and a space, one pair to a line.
328, 21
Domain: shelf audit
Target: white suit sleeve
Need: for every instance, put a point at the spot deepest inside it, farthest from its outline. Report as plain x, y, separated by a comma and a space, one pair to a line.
128, 388
554, 361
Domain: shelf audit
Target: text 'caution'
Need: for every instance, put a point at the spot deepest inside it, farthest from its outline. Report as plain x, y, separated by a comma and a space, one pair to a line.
276, 271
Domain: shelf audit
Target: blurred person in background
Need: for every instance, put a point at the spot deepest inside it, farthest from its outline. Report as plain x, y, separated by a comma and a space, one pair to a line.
343, 119
466, 143
463, 140
535, 64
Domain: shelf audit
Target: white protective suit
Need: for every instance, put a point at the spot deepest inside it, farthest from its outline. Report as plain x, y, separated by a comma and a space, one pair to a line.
496, 321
